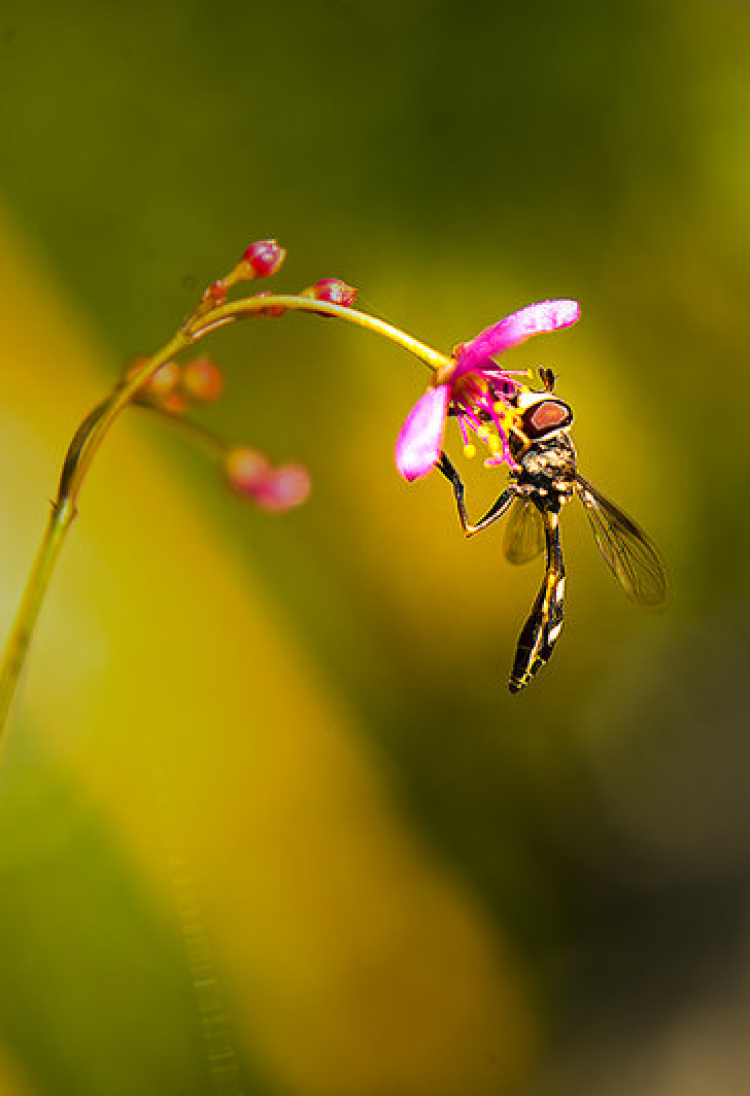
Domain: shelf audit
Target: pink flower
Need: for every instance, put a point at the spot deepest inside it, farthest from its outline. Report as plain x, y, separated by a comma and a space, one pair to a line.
476, 390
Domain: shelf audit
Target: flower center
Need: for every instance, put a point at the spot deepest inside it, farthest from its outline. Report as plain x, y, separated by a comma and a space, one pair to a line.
482, 404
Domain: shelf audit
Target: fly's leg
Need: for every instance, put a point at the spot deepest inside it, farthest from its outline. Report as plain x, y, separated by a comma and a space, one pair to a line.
539, 633
498, 508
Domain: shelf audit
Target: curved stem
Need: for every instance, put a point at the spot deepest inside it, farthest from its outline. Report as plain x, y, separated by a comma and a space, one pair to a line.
252, 306
96, 425
17, 645
196, 431
94, 428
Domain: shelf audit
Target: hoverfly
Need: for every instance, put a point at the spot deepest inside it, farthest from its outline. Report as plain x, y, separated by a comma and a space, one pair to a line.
546, 477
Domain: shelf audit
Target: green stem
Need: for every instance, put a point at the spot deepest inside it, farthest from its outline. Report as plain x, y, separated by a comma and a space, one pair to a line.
97, 424
196, 431
17, 645
252, 306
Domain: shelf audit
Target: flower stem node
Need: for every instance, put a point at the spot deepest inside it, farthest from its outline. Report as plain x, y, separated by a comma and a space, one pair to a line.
253, 477
272, 310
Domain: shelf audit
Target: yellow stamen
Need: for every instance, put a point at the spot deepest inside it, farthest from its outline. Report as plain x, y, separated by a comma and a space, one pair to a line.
507, 415
470, 451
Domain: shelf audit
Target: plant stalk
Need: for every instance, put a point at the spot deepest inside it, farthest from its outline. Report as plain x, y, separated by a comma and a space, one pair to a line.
95, 427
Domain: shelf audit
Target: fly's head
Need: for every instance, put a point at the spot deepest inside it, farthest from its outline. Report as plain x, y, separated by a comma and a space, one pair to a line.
541, 444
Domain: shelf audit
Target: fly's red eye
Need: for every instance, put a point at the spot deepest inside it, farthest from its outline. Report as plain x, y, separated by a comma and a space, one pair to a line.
546, 416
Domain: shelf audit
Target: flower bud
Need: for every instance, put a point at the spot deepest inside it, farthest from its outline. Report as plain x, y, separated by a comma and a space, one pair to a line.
202, 381
246, 469
274, 489
331, 290
216, 293
264, 258
174, 403
284, 489
163, 382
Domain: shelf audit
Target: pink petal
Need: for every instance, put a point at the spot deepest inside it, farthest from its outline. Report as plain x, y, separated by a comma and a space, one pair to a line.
421, 437
535, 319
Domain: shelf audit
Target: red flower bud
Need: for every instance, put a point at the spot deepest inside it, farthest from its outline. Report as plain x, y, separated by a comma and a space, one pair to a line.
164, 381
175, 403
332, 290
284, 489
217, 292
273, 489
246, 469
202, 381
264, 258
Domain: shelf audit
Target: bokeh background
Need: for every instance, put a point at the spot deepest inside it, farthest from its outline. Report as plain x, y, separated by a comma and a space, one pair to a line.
270, 822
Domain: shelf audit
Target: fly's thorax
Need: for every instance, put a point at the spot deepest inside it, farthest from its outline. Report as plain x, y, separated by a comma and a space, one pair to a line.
548, 467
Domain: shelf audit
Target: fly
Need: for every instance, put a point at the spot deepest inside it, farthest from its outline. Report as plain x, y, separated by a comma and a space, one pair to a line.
545, 478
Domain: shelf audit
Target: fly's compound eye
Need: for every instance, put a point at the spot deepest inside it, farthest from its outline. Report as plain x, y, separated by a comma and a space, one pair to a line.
545, 417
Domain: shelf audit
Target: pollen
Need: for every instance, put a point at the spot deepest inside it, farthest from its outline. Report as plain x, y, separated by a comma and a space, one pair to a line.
470, 451
505, 413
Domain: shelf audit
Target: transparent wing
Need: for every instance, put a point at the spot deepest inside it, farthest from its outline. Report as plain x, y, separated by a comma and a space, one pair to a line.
524, 533
628, 552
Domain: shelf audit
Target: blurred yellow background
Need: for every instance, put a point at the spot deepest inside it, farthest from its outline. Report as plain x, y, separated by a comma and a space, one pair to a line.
270, 822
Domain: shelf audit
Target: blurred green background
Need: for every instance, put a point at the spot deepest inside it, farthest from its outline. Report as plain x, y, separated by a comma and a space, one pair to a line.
270, 822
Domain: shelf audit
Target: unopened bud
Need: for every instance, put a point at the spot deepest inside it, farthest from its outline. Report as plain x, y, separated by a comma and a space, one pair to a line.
246, 469
274, 489
284, 489
174, 403
165, 379
331, 290
216, 293
202, 381
161, 384
264, 258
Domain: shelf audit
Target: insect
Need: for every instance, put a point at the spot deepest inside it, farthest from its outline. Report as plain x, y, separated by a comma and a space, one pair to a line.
545, 478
